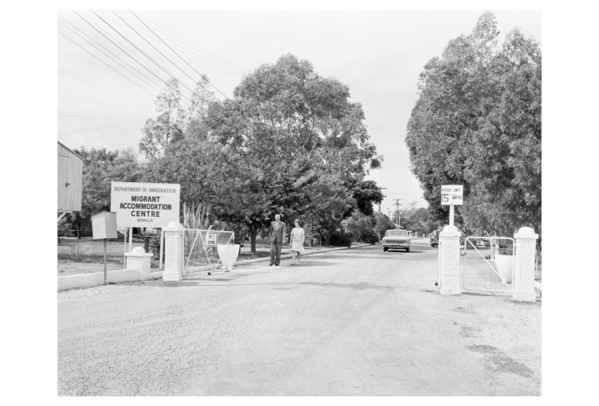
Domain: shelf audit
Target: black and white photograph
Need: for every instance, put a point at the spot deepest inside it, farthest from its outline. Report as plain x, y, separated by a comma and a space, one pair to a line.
320, 201
299, 203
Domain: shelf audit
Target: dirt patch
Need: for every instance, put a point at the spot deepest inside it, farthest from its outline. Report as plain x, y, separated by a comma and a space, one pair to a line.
502, 363
482, 348
468, 331
462, 309
498, 361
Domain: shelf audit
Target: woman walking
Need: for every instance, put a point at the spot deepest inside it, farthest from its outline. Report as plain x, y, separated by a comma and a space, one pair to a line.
297, 240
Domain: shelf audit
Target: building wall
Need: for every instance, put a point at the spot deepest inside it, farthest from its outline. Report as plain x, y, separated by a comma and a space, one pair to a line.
70, 178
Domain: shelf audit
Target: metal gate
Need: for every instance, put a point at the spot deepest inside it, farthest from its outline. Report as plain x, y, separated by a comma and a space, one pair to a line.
487, 265
200, 248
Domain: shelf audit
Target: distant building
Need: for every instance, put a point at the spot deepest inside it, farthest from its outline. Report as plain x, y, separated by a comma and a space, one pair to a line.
70, 179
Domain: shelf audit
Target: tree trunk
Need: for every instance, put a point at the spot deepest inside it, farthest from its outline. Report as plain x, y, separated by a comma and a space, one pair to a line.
253, 233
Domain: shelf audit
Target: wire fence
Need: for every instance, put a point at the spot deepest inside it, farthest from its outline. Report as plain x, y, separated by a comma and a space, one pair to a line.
83, 255
487, 264
200, 246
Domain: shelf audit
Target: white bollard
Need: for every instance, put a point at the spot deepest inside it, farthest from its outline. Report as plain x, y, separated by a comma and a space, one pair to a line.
139, 260
449, 261
524, 270
173, 252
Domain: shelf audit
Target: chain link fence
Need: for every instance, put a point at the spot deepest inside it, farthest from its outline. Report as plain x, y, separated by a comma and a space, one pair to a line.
200, 247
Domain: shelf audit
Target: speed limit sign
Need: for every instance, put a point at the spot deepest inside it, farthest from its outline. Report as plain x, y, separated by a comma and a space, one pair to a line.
452, 195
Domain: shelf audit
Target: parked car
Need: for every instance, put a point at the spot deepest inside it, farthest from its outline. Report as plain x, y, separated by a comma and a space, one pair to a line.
397, 239
434, 238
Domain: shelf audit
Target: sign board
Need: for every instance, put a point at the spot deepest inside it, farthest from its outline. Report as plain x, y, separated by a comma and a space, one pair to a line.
104, 225
452, 194
145, 204
211, 239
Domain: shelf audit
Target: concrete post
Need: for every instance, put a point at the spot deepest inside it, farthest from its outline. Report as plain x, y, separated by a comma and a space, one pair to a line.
524, 269
173, 252
449, 261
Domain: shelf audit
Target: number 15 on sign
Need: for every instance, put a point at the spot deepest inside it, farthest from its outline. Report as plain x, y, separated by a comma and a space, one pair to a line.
452, 195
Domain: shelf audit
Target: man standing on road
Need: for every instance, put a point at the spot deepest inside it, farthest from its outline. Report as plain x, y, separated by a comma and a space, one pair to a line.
277, 235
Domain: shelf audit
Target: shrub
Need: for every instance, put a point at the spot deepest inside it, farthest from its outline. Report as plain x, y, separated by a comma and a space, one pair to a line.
340, 239
369, 237
155, 246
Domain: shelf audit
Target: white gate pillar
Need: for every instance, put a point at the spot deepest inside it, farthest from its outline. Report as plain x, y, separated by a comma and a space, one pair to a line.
449, 261
173, 252
524, 269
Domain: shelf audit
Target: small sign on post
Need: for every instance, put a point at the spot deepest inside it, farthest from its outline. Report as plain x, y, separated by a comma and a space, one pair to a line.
103, 228
452, 195
211, 239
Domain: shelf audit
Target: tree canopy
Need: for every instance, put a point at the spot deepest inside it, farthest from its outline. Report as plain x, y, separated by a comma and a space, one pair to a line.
301, 142
477, 122
289, 141
100, 167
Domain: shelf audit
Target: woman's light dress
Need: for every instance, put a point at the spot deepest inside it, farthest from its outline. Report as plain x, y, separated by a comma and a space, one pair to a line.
297, 239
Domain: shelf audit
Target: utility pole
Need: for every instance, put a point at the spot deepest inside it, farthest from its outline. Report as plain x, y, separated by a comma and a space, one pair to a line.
397, 212
380, 203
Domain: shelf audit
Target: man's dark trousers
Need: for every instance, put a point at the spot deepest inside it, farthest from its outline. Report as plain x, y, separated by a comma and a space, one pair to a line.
275, 252
277, 234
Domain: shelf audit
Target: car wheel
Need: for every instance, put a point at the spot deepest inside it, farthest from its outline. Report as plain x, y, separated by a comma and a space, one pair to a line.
407, 250
385, 249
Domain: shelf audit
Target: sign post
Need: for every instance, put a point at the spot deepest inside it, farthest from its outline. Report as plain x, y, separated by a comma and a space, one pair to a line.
452, 195
103, 228
124, 245
161, 249
105, 270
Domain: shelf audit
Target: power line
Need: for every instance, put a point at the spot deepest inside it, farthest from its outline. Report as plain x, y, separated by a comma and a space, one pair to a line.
111, 54
138, 49
175, 52
153, 46
103, 34
164, 82
101, 61
136, 73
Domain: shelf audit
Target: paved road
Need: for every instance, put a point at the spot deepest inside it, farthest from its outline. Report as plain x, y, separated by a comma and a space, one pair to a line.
350, 322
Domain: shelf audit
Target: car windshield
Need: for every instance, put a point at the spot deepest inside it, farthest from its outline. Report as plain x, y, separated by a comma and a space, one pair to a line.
396, 233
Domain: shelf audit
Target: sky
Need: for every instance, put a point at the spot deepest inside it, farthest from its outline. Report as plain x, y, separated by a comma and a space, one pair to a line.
378, 55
